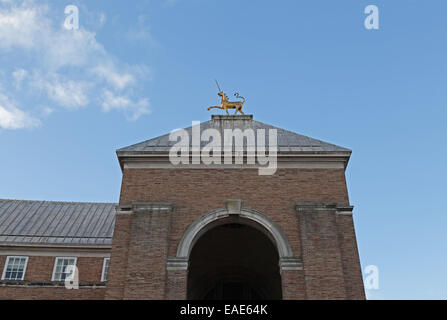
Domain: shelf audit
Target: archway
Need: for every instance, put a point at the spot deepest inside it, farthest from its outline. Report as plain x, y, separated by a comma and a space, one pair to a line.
179, 266
233, 260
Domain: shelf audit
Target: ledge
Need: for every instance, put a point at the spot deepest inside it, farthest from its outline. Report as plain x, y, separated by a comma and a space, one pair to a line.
290, 264
49, 284
145, 207
345, 210
176, 264
315, 206
232, 117
321, 206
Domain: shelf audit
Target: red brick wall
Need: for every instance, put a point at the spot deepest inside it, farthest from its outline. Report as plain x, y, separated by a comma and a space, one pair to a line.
149, 280
118, 261
195, 192
322, 258
176, 284
293, 284
50, 293
40, 269
2, 264
350, 258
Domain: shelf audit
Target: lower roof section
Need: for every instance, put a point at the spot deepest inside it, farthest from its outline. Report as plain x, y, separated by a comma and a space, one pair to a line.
56, 223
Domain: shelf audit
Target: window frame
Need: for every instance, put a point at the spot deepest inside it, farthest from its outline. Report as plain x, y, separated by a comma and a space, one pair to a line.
6, 266
104, 269
55, 266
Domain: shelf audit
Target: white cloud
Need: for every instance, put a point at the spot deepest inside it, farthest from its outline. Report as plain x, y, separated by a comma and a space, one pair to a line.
19, 75
116, 79
71, 48
69, 94
102, 19
13, 118
132, 109
67, 66
27, 27
141, 32
18, 25
63, 91
46, 111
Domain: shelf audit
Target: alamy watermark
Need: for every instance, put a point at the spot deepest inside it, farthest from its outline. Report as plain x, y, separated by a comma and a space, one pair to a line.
188, 148
371, 280
71, 281
72, 19
71, 22
372, 20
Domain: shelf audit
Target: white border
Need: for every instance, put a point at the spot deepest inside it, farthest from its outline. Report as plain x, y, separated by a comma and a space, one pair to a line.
6, 265
55, 264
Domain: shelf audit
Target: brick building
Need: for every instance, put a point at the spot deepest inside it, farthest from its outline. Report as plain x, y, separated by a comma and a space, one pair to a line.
196, 231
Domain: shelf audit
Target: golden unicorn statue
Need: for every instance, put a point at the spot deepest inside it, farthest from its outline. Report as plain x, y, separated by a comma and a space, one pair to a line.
225, 104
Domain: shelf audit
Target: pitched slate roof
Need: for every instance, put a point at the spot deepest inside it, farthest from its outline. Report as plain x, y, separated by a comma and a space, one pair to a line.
288, 141
48, 222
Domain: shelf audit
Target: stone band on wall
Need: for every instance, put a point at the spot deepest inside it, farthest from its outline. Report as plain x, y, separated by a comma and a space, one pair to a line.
321, 206
291, 264
144, 207
175, 263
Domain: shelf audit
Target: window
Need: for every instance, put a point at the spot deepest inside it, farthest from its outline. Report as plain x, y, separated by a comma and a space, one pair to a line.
15, 268
63, 268
105, 269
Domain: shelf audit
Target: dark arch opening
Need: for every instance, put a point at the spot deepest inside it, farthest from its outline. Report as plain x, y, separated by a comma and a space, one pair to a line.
234, 262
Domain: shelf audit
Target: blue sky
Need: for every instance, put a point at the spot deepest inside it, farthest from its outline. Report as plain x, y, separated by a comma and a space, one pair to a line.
69, 99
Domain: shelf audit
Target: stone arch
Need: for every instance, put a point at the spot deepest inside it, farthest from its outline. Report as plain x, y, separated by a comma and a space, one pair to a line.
244, 216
